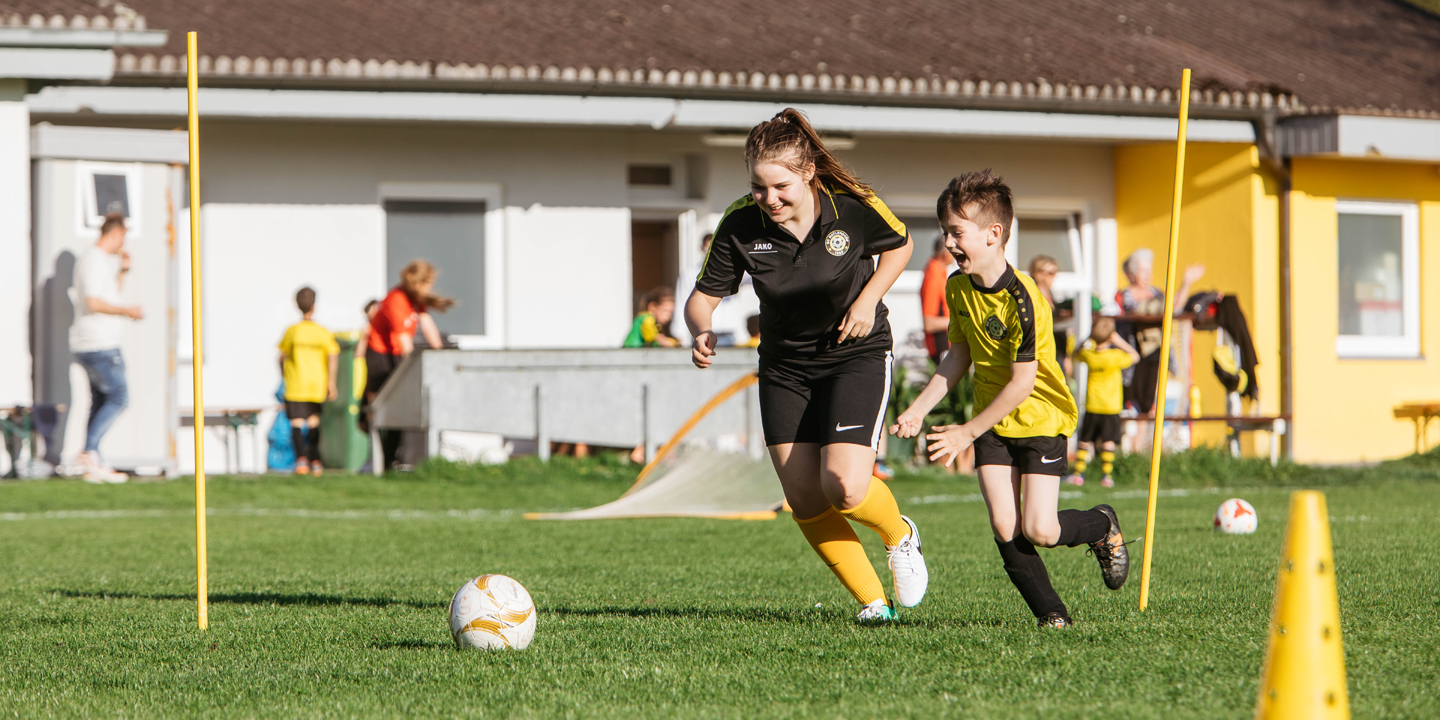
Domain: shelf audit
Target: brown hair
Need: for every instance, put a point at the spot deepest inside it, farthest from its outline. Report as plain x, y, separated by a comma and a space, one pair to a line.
1040, 262
305, 300
1103, 328
113, 221
417, 273
656, 296
788, 140
994, 203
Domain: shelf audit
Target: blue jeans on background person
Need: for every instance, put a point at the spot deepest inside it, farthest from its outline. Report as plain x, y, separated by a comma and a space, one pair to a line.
108, 393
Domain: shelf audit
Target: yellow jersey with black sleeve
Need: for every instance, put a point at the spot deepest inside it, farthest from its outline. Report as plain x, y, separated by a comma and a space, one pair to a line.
307, 348
1105, 389
1006, 324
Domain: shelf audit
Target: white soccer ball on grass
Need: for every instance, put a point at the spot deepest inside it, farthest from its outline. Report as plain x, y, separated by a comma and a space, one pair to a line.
492, 612
1236, 517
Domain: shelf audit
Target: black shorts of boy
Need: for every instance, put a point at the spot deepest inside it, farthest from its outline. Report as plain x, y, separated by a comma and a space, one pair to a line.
805, 400
299, 410
1031, 455
1100, 428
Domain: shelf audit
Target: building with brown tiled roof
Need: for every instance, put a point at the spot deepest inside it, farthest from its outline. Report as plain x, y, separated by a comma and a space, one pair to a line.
579, 151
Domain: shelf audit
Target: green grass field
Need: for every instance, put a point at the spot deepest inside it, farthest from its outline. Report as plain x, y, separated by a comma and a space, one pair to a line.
328, 600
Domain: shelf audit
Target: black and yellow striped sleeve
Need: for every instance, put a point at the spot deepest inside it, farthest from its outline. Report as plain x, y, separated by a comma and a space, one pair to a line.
1025, 319
883, 231
720, 274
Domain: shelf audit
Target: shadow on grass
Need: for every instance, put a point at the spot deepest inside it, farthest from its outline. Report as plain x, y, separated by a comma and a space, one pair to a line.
413, 645
281, 599
797, 616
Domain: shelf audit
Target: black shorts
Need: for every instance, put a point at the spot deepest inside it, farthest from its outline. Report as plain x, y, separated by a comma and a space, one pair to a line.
825, 401
300, 410
378, 367
1100, 428
1032, 455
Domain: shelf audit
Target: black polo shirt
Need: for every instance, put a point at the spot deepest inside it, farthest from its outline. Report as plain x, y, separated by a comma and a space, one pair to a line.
806, 288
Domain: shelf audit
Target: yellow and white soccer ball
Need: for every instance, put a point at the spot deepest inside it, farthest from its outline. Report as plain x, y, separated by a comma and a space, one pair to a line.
492, 612
1236, 517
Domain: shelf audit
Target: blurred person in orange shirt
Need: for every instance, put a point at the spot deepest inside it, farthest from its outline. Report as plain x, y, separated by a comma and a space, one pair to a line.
932, 300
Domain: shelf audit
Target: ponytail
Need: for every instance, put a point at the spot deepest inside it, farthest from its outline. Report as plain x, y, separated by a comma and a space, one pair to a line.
788, 140
417, 273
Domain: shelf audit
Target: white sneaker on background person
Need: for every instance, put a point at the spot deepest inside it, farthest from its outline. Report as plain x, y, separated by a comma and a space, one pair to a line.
98, 474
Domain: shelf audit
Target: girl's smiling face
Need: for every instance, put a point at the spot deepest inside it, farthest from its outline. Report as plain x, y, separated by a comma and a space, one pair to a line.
778, 190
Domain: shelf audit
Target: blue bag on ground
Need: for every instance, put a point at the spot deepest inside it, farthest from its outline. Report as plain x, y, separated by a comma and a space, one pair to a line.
282, 453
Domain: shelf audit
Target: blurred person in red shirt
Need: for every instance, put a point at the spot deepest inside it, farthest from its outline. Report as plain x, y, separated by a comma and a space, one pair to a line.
392, 334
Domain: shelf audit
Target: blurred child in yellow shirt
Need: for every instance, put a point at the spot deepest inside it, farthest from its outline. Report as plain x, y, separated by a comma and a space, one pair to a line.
1106, 355
309, 360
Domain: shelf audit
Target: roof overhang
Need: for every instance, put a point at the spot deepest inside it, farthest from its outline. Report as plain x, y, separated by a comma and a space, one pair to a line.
36, 63
60, 142
149, 103
1361, 136
67, 54
81, 37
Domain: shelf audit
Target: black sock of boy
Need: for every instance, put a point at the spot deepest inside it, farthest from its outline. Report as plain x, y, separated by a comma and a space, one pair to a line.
297, 439
313, 451
1082, 527
1027, 572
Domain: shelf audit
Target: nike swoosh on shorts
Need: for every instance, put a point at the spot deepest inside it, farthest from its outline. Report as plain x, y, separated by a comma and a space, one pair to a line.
1047, 461
840, 428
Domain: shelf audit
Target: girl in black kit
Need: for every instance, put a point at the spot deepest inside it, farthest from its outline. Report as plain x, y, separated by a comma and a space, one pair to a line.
809, 234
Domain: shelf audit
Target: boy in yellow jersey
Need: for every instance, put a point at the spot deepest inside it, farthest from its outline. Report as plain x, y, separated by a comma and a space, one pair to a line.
1023, 409
309, 359
1107, 355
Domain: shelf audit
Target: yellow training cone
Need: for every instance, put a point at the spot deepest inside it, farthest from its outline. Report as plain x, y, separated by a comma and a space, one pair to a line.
1304, 674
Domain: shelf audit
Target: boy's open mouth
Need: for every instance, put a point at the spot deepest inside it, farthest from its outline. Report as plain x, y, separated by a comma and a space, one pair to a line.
960, 256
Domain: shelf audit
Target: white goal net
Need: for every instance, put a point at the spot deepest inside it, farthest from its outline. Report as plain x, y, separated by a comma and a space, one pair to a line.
712, 473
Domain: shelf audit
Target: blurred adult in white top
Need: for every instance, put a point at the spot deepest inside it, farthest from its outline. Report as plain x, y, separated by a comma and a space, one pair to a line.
100, 320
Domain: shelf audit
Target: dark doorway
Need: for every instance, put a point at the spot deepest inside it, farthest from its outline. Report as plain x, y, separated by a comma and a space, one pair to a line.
654, 257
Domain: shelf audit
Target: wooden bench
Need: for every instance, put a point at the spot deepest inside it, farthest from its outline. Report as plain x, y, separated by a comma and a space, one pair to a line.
1421, 414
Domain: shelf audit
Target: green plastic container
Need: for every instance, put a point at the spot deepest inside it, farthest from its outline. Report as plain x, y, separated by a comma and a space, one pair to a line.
342, 445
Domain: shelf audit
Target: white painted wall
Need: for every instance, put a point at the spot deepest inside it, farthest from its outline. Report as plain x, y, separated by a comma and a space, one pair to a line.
568, 276
15, 388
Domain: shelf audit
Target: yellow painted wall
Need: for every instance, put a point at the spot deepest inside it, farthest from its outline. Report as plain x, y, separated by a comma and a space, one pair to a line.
1228, 223
1343, 407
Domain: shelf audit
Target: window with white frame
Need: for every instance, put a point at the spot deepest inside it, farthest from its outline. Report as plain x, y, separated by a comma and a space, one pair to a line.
1379, 279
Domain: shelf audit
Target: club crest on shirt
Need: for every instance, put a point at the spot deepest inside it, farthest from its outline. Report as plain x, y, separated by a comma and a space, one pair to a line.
837, 242
994, 328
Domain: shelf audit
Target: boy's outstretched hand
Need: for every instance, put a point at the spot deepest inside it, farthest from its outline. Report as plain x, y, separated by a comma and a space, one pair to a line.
948, 441
907, 425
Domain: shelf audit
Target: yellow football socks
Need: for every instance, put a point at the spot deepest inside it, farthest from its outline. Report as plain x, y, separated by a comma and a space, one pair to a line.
879, 512
1107, 461
835, 542
1082, 458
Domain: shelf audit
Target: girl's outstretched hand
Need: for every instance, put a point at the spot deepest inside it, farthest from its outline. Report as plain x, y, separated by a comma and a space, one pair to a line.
907, 425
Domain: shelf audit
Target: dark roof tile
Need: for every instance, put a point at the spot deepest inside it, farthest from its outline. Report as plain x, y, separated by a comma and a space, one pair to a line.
1354, 54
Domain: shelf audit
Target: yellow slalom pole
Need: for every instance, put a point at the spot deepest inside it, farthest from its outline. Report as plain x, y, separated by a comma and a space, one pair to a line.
202, 592
1168, 322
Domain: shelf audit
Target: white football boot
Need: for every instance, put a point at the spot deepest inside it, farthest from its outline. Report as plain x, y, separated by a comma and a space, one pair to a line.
907, 562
